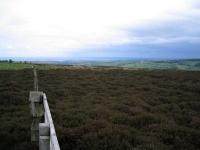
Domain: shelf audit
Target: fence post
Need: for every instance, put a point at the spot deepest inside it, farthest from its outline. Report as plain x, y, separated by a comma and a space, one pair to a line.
37, 113
44, 136
35, 78
40, 131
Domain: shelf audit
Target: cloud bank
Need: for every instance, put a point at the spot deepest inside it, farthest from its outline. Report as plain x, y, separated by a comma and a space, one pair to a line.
62, 28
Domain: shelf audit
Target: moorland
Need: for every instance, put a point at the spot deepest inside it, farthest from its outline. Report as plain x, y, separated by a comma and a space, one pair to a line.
176, 64
105, 108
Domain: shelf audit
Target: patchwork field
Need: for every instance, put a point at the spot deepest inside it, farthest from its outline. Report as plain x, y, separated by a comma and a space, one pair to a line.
105, 108
188, 64
193, 64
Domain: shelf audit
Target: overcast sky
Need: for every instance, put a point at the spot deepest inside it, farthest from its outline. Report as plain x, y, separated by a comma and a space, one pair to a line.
100, 28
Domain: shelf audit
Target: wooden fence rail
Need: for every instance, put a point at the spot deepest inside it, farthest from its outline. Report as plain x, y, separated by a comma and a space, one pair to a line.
42, 128
48, 119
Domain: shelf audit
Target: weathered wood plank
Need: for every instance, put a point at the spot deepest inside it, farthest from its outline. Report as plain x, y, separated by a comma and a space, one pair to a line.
37, 109
35, 96
44, 143
42, 132
44, 129
35, 122
47, 110
35, 83
53, 137
44, 136
48, 119
37, 113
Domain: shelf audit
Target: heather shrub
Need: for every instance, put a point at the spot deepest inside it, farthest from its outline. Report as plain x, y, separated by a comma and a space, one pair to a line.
105, 108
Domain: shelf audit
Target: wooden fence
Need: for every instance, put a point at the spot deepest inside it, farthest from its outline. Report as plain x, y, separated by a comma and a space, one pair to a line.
42, 128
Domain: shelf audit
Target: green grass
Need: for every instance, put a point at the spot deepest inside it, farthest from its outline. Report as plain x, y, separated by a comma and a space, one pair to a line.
191, 65
13, 66
171, 65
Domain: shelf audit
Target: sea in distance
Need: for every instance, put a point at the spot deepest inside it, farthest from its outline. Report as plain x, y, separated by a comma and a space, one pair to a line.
35, 59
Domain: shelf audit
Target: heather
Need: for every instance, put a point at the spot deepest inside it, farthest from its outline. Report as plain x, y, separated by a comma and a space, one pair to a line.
105, 108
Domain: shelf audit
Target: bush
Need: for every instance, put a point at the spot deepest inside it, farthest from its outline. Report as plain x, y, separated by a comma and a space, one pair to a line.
105, 108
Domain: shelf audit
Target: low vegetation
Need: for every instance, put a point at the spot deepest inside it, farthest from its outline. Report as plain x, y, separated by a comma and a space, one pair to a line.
103, 108
10, 65
180, 64
189, 64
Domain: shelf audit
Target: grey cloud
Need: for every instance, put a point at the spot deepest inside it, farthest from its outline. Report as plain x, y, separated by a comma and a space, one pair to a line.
186, 28
172, 28
196, 4
150, 51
